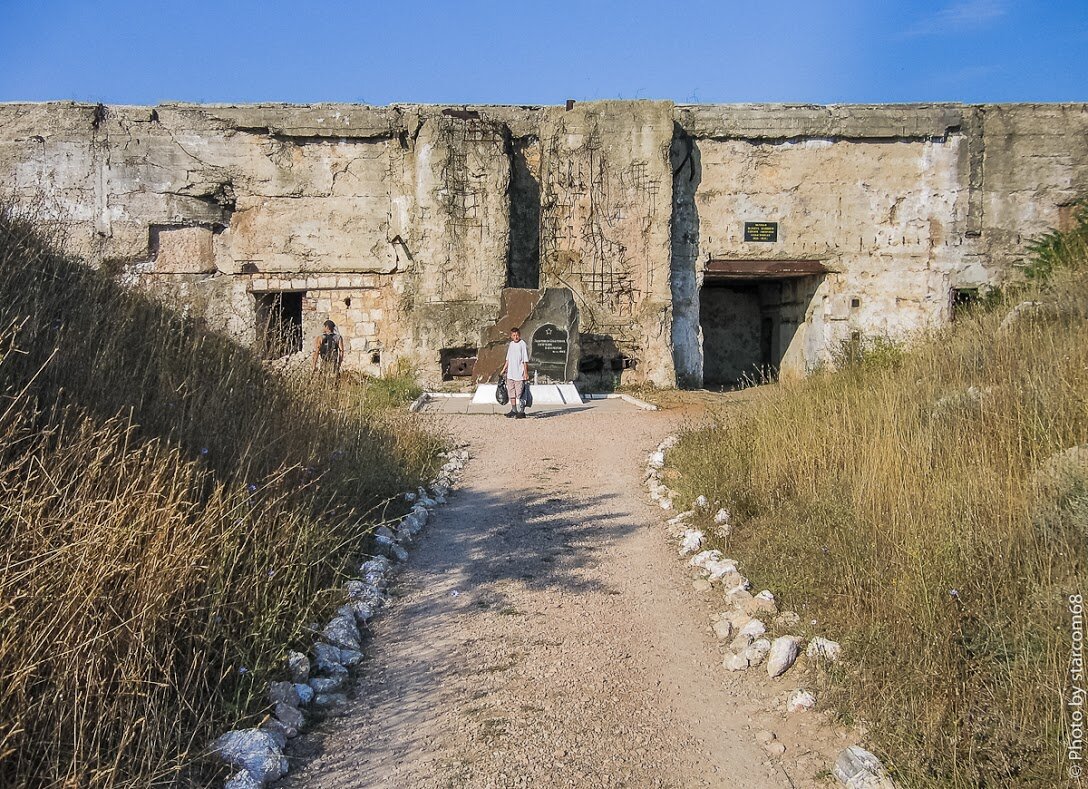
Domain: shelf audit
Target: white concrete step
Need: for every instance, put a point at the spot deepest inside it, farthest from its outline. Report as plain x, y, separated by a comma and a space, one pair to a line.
543, 394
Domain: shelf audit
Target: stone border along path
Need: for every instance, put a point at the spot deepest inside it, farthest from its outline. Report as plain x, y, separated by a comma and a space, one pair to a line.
542, 633
855, 767
258, 753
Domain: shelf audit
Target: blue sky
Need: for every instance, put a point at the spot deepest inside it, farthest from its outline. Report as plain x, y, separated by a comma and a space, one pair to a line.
148, 51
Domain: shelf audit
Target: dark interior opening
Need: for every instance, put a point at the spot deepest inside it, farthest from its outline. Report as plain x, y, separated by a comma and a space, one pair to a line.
962, 299
749, 325
279, 323
457, 362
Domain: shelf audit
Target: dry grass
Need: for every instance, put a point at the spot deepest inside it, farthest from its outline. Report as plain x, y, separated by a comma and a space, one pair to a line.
170, 513
908, 503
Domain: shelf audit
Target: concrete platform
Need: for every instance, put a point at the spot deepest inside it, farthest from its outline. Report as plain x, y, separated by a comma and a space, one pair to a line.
463, 404
543, 394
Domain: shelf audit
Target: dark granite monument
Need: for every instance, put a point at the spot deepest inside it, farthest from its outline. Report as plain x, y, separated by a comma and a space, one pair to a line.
548, 352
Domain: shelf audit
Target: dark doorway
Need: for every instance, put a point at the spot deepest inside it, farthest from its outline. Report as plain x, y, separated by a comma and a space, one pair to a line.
279, 323
962, 300
736, 340
750, 313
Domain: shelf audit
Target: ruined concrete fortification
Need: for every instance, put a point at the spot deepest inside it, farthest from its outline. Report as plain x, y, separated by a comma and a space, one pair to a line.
405, 223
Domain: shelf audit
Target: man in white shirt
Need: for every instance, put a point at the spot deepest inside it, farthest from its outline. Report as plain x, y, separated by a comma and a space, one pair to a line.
516, 370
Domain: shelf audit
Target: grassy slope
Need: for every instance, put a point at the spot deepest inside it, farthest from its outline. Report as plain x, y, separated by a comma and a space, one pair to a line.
909, 505
169, 514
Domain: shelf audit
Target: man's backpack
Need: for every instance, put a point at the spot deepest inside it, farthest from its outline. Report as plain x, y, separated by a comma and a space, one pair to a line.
329, 347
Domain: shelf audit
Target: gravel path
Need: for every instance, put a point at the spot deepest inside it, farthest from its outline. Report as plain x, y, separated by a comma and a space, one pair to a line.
544, 633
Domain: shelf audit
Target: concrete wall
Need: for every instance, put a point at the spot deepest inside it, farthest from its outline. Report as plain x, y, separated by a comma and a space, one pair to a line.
404, 223
900, 203
605, 216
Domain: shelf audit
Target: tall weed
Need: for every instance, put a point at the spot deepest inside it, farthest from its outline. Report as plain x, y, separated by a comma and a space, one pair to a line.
171, 515
906, 505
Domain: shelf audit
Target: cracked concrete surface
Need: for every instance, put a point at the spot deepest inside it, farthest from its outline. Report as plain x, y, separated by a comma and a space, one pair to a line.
626, 203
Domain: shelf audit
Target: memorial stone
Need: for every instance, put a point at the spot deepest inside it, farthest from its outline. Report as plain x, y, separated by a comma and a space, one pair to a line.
548, 353
548, 314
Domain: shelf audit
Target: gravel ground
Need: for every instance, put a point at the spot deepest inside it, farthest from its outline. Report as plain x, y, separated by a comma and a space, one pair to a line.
544, 633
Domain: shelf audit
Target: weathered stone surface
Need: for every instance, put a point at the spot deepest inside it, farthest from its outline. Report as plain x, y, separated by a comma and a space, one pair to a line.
735, 662
404, 224
330, 699
823, 648
183, 250
799, 121
857, 768
328, 684
759, 605
800, 701
242, 780
783, 654
305, 692
291, 717
254, 751
758, 651
299, 666
328, 658
691, 542
284, 692
605, 219
723, 629
342, 631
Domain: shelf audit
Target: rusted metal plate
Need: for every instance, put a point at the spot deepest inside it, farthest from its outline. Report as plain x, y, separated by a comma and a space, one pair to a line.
461, 367
763, 269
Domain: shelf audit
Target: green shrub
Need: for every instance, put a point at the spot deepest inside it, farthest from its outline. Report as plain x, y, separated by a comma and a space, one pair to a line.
1058, 250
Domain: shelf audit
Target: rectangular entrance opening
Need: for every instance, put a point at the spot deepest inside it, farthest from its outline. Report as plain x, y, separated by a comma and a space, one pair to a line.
279, 323
750, 314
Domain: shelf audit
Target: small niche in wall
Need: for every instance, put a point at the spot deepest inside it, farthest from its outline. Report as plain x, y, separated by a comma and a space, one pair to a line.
457, 362
961, 300
347, 301
855, 302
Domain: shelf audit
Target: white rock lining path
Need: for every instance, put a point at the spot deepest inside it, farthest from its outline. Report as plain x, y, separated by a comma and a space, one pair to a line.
258, 753
539, 634
855, 767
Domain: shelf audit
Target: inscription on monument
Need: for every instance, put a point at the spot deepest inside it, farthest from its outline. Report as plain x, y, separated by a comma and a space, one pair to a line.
548, 355
761, 231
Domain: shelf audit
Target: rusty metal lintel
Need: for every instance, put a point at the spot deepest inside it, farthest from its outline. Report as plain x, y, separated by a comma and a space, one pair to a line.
757, 269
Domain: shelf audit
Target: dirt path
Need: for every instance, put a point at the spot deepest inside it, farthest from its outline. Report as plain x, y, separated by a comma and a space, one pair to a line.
543, 633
